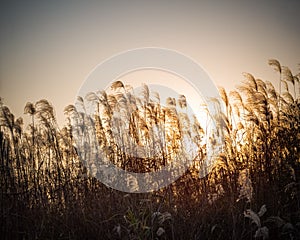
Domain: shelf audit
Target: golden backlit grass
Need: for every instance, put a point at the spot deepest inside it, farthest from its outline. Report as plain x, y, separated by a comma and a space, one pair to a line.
252, 192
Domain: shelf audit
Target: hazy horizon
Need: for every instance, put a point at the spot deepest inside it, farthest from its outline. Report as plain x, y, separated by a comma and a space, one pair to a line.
48, 49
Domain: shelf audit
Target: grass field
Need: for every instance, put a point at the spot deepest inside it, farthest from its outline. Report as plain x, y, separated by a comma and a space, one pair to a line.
252, 192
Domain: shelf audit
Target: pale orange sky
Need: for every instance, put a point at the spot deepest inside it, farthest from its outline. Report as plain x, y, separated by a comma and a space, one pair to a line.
49, 48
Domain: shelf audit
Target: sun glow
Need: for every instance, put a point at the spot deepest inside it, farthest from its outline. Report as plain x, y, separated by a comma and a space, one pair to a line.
166, 84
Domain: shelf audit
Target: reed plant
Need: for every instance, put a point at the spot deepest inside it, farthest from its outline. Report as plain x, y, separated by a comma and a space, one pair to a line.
252, 191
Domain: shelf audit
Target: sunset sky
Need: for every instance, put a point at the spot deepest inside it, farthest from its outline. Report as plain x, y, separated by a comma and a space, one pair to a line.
48, 48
